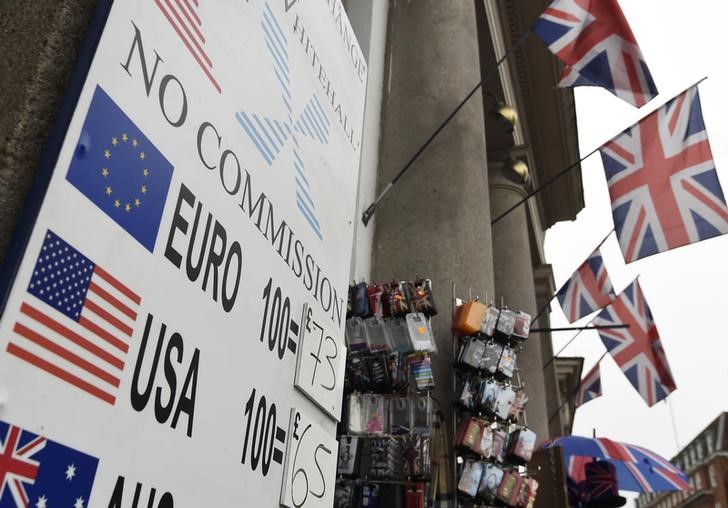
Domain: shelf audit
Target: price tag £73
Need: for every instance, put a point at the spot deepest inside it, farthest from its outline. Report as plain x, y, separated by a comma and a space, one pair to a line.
321, 363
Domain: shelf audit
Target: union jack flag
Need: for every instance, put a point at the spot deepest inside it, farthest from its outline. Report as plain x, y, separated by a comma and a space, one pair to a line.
637, 349
38, 472
590, 387
662, 181
588, 289
595, 41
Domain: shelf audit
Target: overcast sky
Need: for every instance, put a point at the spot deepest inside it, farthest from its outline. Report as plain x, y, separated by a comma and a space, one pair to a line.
682, 41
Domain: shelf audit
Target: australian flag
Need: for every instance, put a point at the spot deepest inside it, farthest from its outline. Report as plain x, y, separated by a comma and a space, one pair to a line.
38, 472
120, 170
594, 40
587, 290
662, 181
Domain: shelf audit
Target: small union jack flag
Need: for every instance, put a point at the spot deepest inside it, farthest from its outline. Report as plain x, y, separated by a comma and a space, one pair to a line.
662, 181
38, 472
590, 387
595, 41
637, 349
588, 289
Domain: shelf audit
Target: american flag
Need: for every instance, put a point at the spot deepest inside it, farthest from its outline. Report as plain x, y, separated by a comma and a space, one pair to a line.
662, 181
38, 472
76, 320
182, 16
637, 349
588, 289
590, 387
595, 41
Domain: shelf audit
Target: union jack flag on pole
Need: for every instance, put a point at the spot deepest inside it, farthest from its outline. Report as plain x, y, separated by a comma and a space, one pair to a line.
594, 40
662, 181
590, 387
637, 349
588, 289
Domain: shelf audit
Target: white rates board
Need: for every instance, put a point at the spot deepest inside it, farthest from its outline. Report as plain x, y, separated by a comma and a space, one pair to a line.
204, 193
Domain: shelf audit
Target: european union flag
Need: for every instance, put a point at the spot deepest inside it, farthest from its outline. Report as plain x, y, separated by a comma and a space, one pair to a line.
35, 471
119, 169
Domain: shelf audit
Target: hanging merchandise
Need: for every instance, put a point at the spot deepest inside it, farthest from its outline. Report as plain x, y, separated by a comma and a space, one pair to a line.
492, 441
385, 442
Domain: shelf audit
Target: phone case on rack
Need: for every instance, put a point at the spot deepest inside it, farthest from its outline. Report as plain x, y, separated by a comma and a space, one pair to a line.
527, 494
470, 317
509, 488
468, 394
472, 433
415, 495
356, 338
491, 356
499, 443
489, 392
397, 334
470, 477
420, 332
360, 302
473, 353
374, 295
399, 415
519, 404
520, 445
421, 368
378, 374
374, 330
484, 445
490, 320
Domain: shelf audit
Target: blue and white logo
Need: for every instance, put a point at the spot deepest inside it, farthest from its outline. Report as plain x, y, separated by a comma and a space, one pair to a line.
271, 136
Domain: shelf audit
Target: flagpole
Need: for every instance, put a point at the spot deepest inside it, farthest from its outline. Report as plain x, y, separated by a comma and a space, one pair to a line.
580, 328
576, 164
562, 349
574, 391
369, 212
548, 303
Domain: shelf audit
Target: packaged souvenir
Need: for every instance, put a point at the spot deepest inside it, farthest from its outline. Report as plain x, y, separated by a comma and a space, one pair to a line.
357, 374
374, 295
522, 326
370, 495
415, 450
490, 320
399, 415
470, 477
506, 322
420, 333
397, 335
414, 495
520, 445
472, 353
499, 443
396, 298
471, 435
356, 338
527, 494
484, 445
509, 488
504, 402
348, 454
378, 374
490, 481
491, 357
345, 495
470, 317
374, 331
355, 415
519, 404
374, 413
360, 302
398, 369
421, 408
490, 389
422, 297
468, 394
507, 362
421, 367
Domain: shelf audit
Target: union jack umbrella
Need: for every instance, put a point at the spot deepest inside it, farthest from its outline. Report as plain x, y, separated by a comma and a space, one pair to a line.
638, 469
637, 349
587, 290
595, 41
662, 181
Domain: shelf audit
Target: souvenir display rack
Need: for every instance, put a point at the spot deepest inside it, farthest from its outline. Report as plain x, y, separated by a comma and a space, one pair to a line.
492, 441
385, 436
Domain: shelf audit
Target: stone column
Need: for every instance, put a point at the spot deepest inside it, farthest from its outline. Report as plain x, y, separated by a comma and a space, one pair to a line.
436, 221
514, 283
